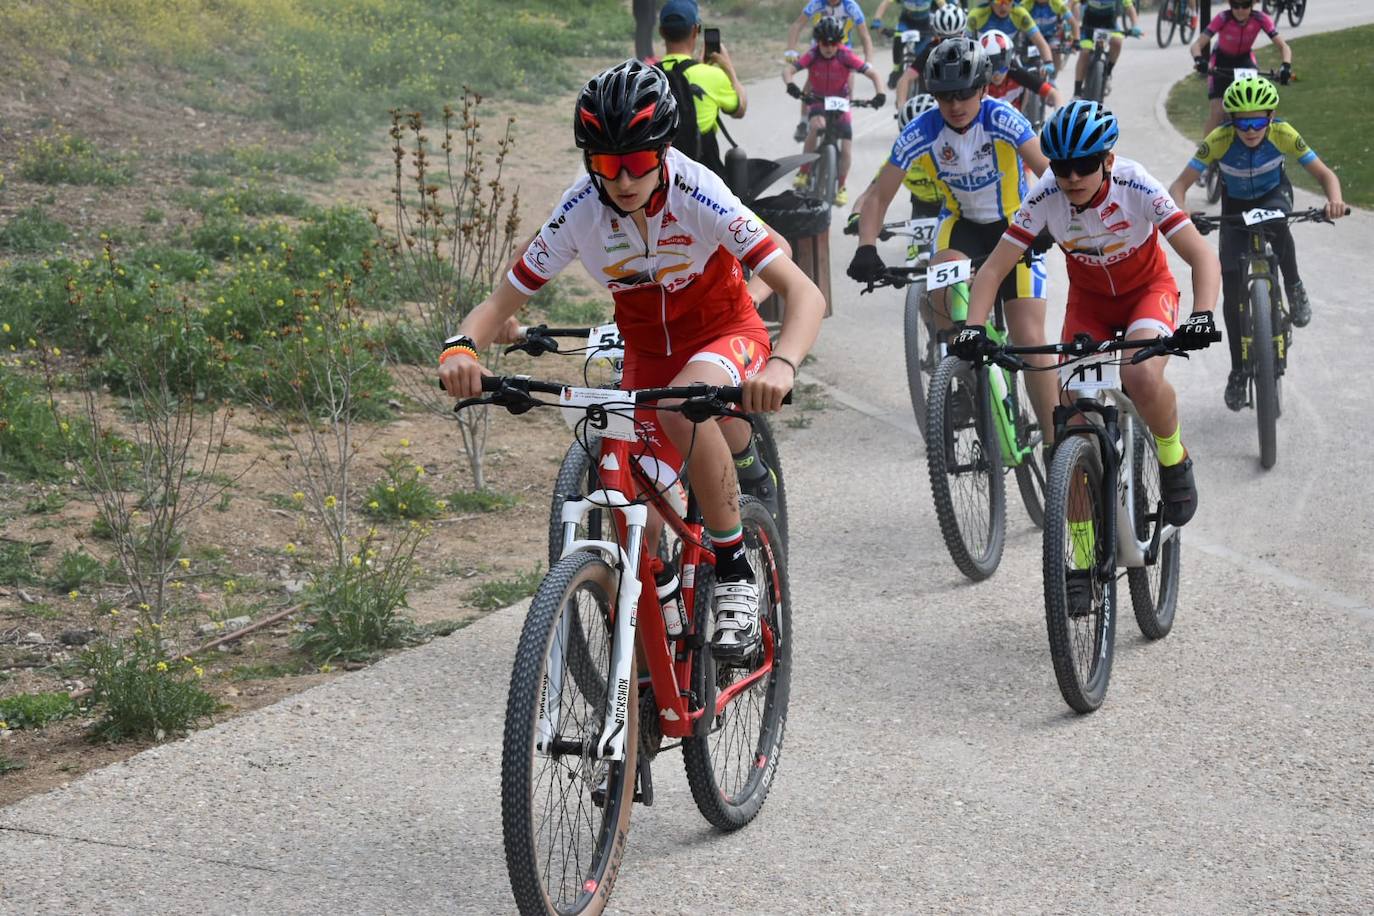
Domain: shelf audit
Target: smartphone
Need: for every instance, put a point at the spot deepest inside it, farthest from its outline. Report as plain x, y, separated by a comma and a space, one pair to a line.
712, 42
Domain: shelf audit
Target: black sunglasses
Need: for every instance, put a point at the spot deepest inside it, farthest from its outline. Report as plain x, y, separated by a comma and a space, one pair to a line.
1082, 165
956, 95
1242, 4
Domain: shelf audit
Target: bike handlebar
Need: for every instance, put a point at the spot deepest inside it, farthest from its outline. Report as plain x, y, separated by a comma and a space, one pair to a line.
700, 402
811, 98
1207, 222
1185, 339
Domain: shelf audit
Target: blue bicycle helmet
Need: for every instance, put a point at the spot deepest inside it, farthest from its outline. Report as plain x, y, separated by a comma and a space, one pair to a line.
1080, 128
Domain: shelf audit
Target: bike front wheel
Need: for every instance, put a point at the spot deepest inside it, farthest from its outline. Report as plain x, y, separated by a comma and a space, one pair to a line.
1080, 610
1187, 28
1265, 375
564, 812
920, 351
826, 173
767, 447
1296, 10
964, 459
1095, 84
731, 765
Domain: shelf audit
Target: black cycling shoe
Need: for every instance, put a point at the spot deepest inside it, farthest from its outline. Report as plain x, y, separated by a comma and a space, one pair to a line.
799, 135
1299, 309
1179, 492
765, 490
893, 77
1237, 388
1080, 592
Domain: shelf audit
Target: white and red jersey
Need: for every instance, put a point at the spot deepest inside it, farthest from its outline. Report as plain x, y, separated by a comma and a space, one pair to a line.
679, 288
1112, 244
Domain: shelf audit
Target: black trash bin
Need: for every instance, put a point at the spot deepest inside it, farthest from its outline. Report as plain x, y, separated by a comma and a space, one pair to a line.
805, 223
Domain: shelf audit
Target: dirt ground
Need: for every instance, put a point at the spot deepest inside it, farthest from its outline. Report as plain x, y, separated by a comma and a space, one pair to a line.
138, 112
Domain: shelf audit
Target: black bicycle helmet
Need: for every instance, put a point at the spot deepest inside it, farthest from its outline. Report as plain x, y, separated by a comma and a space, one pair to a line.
956, 63
827, 30
625, 108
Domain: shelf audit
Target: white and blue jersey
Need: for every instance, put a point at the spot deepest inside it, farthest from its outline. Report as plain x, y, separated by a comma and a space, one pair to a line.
978, 171
847, 13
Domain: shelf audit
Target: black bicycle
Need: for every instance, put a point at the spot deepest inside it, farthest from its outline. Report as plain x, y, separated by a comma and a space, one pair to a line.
1296, 9
1095, 83
823, 181
1174, 17
1266, 329
604, 352
1103, 509
979, 425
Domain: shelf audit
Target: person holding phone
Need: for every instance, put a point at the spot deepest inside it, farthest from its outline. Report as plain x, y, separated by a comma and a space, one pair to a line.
715, 86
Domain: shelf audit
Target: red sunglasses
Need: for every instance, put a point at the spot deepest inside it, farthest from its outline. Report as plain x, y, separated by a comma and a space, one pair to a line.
638, 163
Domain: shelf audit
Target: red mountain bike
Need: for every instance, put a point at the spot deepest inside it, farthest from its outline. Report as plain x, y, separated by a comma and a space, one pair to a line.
582, 723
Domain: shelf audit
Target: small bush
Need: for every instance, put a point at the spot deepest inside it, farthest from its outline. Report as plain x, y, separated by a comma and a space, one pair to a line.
17, 565
491, 596
35, 710
63, 158
9, 766
141, 693
31, 231
562, 309
402, 492
357, 605
76, 569
480, 501
153, 216
34, 442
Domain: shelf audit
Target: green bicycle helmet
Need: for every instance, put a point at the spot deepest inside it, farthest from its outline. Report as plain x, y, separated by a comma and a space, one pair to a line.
1253, 93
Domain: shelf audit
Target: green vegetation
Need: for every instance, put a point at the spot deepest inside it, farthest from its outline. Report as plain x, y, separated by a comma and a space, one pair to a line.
357, 605
141, 692
499, 593
17, 566
35, 439
1331, 70
32, 231
466, 501
35, 710
62, 158
76, 569
402, 492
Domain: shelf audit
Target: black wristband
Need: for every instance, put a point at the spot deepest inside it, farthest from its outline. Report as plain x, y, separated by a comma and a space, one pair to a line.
784, 359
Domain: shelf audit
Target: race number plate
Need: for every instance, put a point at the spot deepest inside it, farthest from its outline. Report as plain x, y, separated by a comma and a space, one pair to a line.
1102, 36
1032, 52
923, 230
1094, 374
1244, 73
836, 103
948, 273
604, 343
1262, 216
911, 36
607, 411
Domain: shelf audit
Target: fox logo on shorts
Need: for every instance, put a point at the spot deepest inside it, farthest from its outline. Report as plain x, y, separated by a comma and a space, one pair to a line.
744, 350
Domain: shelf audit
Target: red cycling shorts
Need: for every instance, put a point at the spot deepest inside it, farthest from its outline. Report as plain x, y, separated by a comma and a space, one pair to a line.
1151, 307
740, 355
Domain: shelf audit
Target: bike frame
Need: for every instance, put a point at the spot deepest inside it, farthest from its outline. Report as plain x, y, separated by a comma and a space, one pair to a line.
637, 614
1260, 263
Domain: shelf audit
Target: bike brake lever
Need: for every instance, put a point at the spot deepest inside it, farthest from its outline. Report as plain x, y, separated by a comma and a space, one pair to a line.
471, 402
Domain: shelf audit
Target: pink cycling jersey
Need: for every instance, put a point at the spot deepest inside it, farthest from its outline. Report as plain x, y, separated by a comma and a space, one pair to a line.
1234, 39
830, 76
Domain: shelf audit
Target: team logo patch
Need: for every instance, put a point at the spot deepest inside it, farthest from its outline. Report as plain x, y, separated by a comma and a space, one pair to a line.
947, 153
681, 239
744, 350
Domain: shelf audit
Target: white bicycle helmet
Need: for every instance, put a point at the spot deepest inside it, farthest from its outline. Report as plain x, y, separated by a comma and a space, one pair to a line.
915, 106
948, 21
998, 49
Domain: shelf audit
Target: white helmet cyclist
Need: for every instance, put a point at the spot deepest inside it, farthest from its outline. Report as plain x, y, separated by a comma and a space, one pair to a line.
997, 48
948, 21
915, 106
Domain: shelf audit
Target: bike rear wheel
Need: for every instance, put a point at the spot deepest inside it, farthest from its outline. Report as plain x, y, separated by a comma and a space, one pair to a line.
964, 459
1212, 178
1165, 24
1187, 28
1030, 473
920, 351
1264, 376
576, 478
564, 813
731, 767
1076, 538
1154, 588
1296, 10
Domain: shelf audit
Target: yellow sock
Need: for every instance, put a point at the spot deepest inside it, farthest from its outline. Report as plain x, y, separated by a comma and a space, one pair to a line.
1170, 449
1084, 544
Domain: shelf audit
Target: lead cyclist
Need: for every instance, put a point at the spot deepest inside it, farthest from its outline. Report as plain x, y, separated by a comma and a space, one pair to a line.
1102, 14
669, 240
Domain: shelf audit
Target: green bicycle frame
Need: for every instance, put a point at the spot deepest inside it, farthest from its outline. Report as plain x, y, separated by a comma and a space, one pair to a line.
999, 384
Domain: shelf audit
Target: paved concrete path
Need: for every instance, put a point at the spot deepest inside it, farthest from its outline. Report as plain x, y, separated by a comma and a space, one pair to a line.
930, 765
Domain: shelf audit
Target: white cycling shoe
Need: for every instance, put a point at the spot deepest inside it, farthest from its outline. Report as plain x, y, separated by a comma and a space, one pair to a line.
737, 634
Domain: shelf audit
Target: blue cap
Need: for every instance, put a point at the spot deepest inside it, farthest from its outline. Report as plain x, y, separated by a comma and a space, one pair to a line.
684, 11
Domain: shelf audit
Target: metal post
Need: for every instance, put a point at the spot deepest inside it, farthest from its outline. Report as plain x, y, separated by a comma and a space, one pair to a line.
645, 12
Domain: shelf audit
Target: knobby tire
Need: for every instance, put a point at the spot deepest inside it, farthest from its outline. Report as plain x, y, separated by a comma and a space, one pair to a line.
1080, 647
550, 870
731, 768
918, 345
1265, 377
965, 464
1154, 588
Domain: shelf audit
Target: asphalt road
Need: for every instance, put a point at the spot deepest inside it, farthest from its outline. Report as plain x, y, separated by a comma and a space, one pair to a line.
930, 765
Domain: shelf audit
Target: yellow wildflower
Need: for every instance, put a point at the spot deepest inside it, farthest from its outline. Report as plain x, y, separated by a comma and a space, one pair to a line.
162, 666
330, 502
298, 496
199, 671
290, 548
73, 594
185, 563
